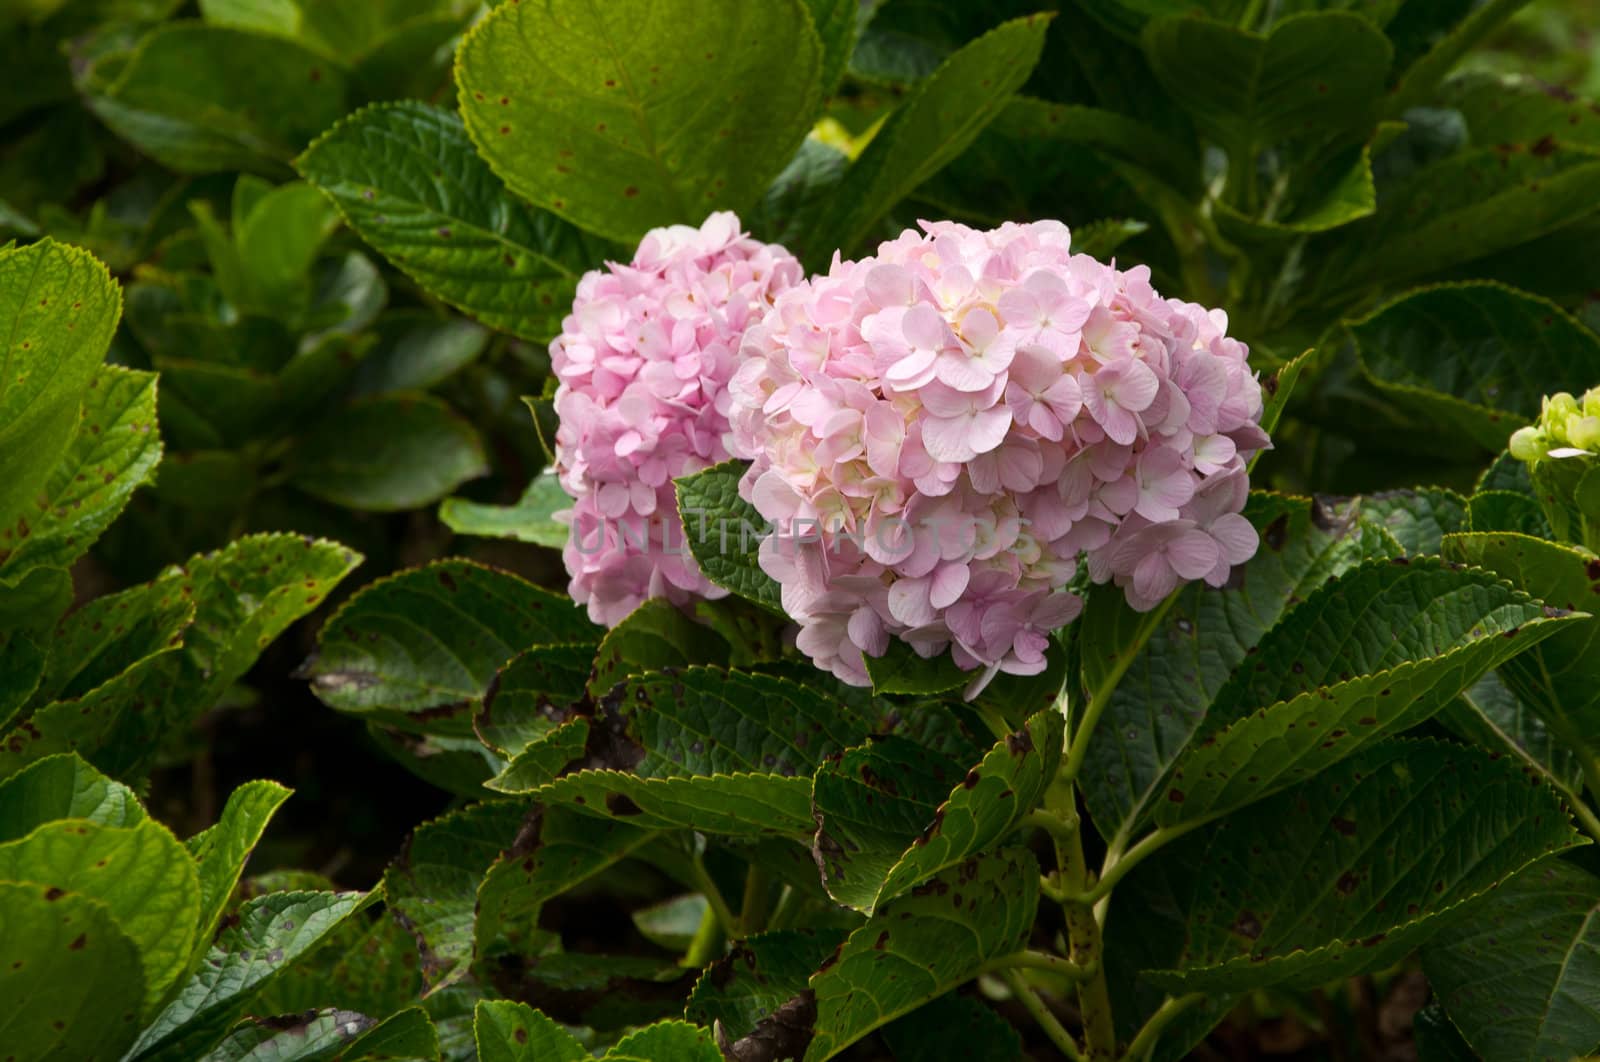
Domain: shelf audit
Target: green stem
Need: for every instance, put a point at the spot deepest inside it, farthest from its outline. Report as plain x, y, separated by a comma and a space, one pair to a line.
753, 908
707, 943
1039, 960
1117, 865
1101, 698
715, 903
1145, 1039
1085, 949
1041, 1014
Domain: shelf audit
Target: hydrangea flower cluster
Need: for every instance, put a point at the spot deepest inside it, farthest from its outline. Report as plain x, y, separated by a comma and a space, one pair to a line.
643, 361
1567, 427
942, 431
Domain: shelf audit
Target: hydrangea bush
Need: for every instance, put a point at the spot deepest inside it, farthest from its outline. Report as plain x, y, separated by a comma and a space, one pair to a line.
797, 530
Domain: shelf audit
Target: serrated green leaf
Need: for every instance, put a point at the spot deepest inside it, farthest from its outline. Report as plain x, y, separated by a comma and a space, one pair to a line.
1503, 510
64, 787
98, 642
1314, 74
140, 874
921, 946
114, 450
529, 520
672, 923
938, 120
272, 932
1519, 979
1346, 193
901, 670
366, 965
654, 637
1160, 689
1418, 518
760, 974
507, 1031
892, 814
723, 532
388, 453
1349, 871
1491, 716
220, 851
1371, 653
436, 636
417, 349
1560, 677
1471, 23
1509, 349
1117, 135
666, 1041
337, 1035
602, 114
531, 698
407, 178
71, 977
350, 35
61, 307
191, 96
837, 23
22, 664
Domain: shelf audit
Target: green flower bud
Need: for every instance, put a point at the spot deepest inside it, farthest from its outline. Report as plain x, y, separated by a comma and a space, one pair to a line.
1584, 433
1528, 444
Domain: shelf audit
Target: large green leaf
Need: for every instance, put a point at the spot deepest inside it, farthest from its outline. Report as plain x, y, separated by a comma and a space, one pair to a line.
745, 992
1160, 690
1313, 75
220, 851
1560, 677
666, 1041
97, 643
1520, 979
507, 1031
433, 887
407, 178
140, 874
1506, 350
72, 980
723, 532
1491, 716
63, 787
192, 97
721, 751
436, 636
388, 453
114, 450
60, 307
349, 34
532, 697
333, 1035
1371, 653
1354, 868
639, 113
653, 637
869, 854
1444, 49
1419, 518
531, 519
272, 932
368, 965
939, 118
921, 946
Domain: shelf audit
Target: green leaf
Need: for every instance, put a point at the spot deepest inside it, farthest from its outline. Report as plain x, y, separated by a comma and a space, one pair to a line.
191, 97
1503, 510
348, 35
921, 946
1369, 654
1441, 57
1346, 194
654, 637
604, 115
406, 177
724, 531
61, 308
388, 453
721, 751
1100, 239
272, 932
72, 979
366, 965
1418, 518
554, 851
278, 238
140, 874
507, 1031
114, 450
1559, 679
531, 698
435, 636
530, 520
674, 923
1160, 689
666, 1041
954, 1026
433, 887
746, 990
1491, 716
22, 665
891, 814
1351, 870
63, 787
837, 23
97, 643
339, 1035
418, 349
1508, 350
939, 118
1117, 135
220, 851
1519, 979
1314, 75
247, 594
901, 670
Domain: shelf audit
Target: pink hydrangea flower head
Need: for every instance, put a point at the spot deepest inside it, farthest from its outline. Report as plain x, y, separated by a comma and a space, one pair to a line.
643, 363
944, 433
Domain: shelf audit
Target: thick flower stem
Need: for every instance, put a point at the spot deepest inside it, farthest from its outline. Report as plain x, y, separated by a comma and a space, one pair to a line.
1085, 948
707, 943
753, 908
